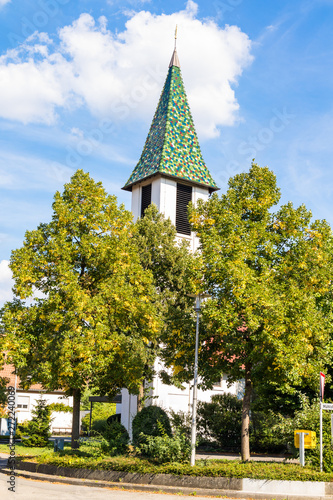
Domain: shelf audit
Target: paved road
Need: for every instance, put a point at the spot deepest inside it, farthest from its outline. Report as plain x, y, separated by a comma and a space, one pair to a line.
27, 489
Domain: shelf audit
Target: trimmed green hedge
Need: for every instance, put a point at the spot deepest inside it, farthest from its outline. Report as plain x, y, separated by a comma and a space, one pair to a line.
208, 468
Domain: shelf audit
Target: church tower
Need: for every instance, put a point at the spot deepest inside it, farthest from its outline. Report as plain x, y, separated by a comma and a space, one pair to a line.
171, 171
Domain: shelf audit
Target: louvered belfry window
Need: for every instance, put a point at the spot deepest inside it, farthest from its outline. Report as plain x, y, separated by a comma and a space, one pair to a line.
184, 196
145, 198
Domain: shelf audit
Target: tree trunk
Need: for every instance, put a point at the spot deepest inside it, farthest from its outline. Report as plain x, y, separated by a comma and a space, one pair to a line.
76, 418
140, 397
245, 442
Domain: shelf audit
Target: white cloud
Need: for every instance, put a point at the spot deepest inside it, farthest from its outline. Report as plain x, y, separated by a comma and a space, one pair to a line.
31, 172
120, 75
3, 2
6, 282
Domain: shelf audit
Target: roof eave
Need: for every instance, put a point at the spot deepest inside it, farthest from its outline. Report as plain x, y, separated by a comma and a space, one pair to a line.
210, 188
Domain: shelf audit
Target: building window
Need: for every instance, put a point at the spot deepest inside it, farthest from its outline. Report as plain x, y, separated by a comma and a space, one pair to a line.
218, 383
184, 196
145, 198
23, 403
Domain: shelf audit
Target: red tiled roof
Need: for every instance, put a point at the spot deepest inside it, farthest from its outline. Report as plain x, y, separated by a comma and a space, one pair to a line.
8, 372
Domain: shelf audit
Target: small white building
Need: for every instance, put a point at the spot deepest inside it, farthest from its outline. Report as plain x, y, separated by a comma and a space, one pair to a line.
26, 399
170, 173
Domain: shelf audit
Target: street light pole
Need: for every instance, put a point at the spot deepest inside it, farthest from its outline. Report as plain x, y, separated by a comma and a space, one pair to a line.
195, 383
198, 299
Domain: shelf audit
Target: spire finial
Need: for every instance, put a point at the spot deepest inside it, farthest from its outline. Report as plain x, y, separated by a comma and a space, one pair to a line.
176, 35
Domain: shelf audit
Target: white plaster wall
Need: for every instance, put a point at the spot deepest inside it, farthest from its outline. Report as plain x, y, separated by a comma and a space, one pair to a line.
170, 397
136, 201
168, 195
156, 192
61, 420
129, 404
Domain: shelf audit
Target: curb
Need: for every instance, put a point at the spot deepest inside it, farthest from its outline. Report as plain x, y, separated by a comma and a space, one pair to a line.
204, 486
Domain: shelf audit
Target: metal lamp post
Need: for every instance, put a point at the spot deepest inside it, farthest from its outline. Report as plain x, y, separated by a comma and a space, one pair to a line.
197, 307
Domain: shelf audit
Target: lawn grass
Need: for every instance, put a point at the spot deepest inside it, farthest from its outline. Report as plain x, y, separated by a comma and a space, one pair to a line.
89, 458
24, 451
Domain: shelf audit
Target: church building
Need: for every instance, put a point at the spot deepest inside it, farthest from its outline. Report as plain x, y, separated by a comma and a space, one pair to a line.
171, 172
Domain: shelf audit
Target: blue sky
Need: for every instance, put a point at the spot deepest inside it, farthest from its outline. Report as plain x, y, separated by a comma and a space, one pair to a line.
80, 81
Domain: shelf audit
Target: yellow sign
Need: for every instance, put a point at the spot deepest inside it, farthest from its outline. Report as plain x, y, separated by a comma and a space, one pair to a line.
310, 440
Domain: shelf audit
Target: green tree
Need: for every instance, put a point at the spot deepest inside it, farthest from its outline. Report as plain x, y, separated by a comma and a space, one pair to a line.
173, 268
39, 427
96, 323
265, 272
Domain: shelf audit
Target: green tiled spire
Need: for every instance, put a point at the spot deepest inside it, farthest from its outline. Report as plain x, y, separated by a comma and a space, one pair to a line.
172, 146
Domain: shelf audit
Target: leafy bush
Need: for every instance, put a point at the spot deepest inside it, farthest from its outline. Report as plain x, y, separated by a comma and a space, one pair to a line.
22, 429
162, 449
39, 427
114, 418
267, 433
150, 421
220, 421
60, 407
308, 418
100, 413
94, 447
98, 427
117, 437
206, 468
3, 411
181, 422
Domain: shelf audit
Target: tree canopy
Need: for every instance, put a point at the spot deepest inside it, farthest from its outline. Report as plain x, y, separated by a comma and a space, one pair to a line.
91, 318
265, 271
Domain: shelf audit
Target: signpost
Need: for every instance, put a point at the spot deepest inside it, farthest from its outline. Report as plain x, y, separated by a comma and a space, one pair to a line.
304, 440
321, 397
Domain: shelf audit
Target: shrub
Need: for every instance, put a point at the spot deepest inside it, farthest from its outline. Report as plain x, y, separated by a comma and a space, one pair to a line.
181, 422
100, 413
98, 427
267, 433
22, 429
3, 411
39, 427
308, 418
94, 447
150, 421
60, 407
220, 421
117, 437
163, 449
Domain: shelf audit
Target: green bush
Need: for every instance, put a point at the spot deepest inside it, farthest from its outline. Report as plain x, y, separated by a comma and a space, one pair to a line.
22, 429
150, 421
100, 413
117, 437
308, 418
39, 427
60, 407
181, 422
267, 435
98, 427
219, 421
163, 449
94, 446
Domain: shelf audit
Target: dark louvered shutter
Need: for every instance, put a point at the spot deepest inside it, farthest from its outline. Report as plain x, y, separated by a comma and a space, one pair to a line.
145, 198
184, 196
